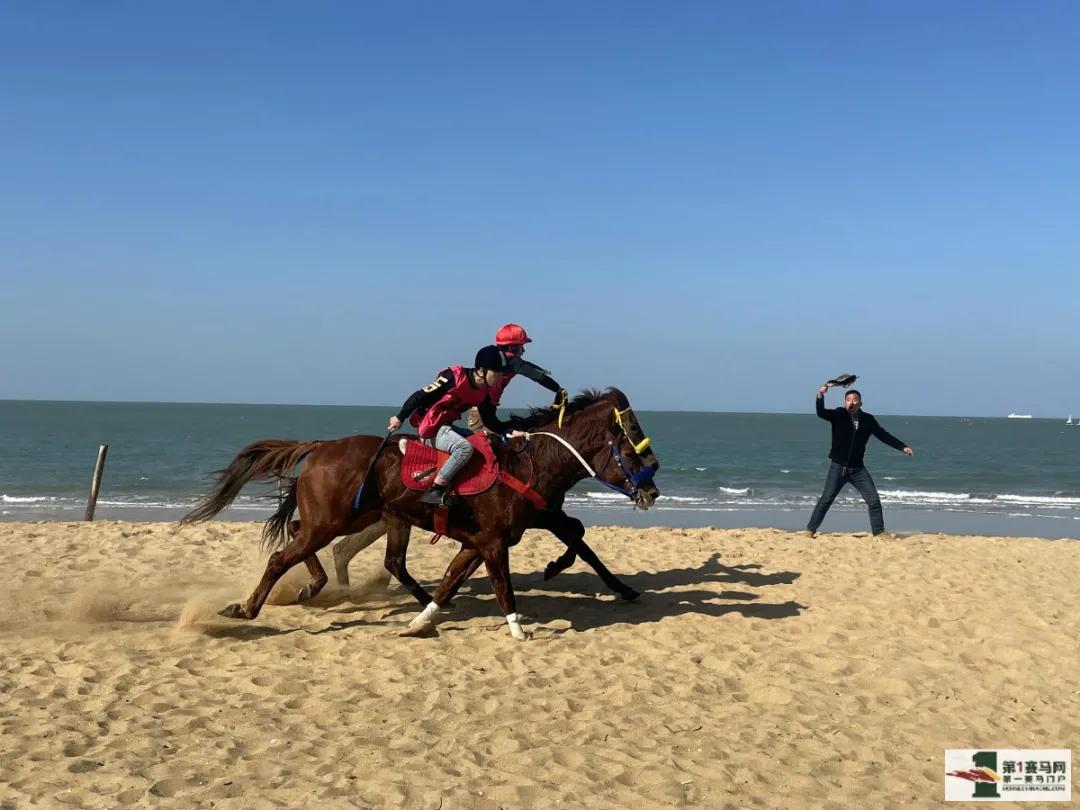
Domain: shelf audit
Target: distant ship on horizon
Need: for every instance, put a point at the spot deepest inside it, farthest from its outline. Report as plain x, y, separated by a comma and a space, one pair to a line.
1019, 416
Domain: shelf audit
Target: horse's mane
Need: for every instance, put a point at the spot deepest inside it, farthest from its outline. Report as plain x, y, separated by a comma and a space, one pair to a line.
540, 417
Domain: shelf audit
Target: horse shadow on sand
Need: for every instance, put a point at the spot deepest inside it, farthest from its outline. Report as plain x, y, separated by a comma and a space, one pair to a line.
243, 632
580, 598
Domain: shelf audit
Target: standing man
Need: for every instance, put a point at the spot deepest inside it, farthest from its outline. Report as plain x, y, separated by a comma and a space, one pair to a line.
852, 427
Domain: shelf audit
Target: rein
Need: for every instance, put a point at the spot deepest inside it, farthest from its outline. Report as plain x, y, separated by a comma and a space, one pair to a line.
568, 446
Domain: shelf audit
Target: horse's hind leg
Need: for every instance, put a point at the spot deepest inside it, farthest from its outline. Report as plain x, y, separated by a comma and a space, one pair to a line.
318, 574
318, 579
301, 547
348, 547
572, 533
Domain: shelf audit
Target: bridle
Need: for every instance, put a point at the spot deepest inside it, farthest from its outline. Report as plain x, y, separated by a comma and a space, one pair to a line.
632, 482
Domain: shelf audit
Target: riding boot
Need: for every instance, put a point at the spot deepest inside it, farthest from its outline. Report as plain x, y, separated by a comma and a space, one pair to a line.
434, 496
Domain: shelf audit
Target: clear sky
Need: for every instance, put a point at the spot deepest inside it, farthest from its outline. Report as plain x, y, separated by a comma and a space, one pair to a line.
714, 206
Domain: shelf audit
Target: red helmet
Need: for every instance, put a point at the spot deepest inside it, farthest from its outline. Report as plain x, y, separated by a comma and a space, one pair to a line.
511, 333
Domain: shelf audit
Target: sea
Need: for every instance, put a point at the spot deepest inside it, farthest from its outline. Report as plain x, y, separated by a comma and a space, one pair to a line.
968, 475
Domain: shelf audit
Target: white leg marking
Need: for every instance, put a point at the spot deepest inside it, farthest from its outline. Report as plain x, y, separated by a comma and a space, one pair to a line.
515, 628
426, 616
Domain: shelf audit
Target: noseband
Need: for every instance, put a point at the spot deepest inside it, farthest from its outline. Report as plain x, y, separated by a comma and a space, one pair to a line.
632, 482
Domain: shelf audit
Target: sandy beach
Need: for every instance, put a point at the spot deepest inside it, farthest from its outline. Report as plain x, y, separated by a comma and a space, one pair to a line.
759, 668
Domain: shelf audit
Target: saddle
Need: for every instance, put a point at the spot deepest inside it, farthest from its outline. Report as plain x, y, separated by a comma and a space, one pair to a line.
420, 463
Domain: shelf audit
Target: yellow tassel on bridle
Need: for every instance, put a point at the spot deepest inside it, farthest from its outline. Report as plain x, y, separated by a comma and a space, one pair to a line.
641, 446
560, 405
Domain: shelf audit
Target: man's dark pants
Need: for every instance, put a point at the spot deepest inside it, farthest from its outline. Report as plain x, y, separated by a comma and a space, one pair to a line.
859, 478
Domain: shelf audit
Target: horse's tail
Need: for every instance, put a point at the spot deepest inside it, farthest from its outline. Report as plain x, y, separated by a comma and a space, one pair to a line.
276, 531
270, 458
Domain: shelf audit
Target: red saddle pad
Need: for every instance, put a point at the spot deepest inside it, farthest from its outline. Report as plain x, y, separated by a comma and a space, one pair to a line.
421, 462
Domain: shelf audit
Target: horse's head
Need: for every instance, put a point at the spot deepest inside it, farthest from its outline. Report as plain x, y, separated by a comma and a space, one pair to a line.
626, 462
603, 433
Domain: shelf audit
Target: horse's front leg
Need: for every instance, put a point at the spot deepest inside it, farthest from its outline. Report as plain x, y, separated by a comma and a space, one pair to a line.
496, 554
465, 562
572, 533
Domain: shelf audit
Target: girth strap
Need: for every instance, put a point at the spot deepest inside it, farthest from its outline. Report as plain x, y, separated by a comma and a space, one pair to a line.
523, 489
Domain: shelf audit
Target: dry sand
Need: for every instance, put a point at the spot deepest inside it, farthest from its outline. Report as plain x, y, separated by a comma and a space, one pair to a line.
760, 668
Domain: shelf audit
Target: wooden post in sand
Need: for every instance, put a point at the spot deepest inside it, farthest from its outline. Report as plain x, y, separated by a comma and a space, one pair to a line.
95, 482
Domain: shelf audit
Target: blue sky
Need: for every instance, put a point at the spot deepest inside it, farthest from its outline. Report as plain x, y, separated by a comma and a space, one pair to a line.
711, 206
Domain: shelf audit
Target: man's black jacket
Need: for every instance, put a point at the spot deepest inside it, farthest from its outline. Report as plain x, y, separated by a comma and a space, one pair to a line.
849, 444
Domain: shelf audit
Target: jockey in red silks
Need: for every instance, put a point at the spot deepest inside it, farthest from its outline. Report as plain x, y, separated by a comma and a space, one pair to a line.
432, 410
510, 342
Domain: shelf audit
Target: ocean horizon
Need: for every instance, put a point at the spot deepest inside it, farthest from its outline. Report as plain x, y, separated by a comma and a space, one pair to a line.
727, 469
392, 408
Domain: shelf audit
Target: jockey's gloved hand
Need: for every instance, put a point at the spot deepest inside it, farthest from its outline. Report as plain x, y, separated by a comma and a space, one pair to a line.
561, 398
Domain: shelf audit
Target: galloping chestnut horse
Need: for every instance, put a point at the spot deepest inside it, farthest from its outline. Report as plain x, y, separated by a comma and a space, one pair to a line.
601, 437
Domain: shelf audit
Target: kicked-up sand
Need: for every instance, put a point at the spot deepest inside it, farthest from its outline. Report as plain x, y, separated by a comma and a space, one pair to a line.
758, 669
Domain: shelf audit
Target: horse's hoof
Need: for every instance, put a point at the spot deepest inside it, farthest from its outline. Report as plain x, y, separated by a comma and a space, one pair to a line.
629, 595
303, 594
233, 611
426, 630
550, 571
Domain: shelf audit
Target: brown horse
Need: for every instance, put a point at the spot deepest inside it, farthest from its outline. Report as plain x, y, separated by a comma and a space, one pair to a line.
601, 437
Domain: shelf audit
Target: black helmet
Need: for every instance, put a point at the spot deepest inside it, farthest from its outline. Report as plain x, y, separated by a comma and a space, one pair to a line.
490, 358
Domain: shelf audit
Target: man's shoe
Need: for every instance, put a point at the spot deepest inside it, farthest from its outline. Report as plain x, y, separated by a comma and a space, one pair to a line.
434, 496
884, 536
810, 533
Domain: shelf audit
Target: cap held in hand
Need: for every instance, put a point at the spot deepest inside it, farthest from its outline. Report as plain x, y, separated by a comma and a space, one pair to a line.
841, 381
